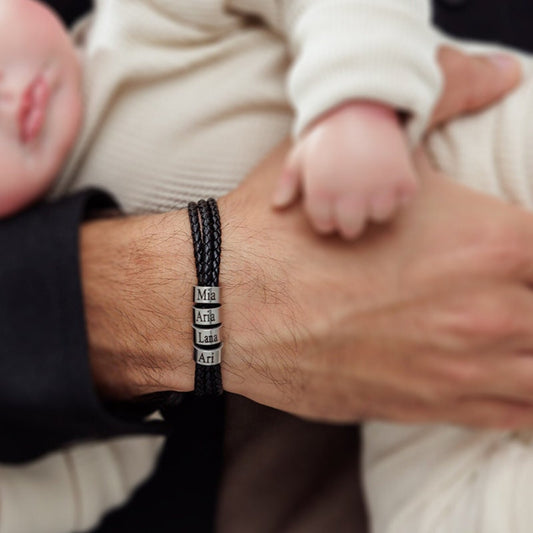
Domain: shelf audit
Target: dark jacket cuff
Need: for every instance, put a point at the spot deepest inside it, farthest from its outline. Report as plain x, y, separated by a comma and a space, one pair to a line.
47, 396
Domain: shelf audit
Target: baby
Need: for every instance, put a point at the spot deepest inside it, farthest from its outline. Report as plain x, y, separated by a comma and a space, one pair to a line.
351, 159
345, 55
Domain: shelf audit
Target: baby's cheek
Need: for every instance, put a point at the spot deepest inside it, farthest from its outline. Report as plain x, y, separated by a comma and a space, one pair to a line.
62, 130
19, 187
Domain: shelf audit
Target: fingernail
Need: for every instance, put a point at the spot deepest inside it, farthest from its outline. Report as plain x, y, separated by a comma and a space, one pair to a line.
504, 62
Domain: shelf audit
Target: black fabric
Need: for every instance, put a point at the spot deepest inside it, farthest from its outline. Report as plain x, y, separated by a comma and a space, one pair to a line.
181, 496
504, 21
45, 381
70, 10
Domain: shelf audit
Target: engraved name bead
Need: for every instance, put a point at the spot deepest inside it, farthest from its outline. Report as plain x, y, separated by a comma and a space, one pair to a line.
207, 337
206, 295
208, 357
206, 317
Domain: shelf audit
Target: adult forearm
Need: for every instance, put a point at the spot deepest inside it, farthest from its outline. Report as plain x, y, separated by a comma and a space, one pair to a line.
138, 274
137, 278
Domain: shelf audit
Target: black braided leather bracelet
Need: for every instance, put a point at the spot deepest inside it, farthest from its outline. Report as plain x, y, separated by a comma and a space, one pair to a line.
207, 240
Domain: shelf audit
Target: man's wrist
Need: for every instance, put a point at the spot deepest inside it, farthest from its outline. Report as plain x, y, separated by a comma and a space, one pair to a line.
137, 276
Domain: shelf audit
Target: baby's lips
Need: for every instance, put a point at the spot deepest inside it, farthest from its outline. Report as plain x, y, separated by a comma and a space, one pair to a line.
32, 112
24, 110
33, 125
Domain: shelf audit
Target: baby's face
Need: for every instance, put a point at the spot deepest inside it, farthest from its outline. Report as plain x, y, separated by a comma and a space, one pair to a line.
40, 101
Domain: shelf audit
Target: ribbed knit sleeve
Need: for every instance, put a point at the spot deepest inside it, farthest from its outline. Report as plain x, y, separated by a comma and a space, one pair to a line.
47, 397
380, 50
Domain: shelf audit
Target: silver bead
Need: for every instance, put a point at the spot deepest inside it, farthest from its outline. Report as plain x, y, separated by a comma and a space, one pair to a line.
206, 295
207, 337
206, 317
208, 357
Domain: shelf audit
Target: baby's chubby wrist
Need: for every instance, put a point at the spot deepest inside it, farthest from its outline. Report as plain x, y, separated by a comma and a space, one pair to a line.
362, 108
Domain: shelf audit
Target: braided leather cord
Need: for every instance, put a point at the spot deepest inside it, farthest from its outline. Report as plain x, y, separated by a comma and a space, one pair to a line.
206, 237
207, 243
206, 277
216, 377
196, 233
217, 239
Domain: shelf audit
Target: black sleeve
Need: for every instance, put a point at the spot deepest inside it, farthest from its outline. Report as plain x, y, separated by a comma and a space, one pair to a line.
47, 397
70, 10
506, 22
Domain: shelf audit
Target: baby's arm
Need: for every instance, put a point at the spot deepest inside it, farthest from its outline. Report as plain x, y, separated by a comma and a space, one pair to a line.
356, 64
440, 479
344, 50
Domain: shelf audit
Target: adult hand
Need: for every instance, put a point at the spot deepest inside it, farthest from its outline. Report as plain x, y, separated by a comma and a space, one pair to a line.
472, 82
428, 319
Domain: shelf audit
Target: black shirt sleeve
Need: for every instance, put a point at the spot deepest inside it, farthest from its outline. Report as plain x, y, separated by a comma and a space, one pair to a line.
47, 397
70, 10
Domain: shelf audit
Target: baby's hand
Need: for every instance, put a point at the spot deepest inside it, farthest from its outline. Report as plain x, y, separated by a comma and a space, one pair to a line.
352, 166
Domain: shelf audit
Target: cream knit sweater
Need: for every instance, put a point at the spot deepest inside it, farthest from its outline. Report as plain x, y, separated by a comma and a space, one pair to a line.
183, 98
195, 92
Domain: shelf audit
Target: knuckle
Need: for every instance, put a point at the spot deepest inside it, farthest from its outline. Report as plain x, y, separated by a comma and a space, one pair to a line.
438, 393
476, 318
522, 380
319, 184
459, 376
496, 320
504, 249
510, 417
448, 381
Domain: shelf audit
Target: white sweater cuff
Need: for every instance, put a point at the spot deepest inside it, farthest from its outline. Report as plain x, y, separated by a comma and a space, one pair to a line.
377, 50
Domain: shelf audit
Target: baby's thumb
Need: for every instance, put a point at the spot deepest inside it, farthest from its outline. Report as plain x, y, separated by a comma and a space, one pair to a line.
288, 186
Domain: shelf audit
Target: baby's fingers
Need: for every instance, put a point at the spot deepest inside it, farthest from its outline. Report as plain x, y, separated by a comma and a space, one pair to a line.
351, 216
384, 205
288, 186
321, 213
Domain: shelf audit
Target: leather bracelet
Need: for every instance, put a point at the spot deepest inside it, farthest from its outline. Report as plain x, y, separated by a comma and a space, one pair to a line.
207, 242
